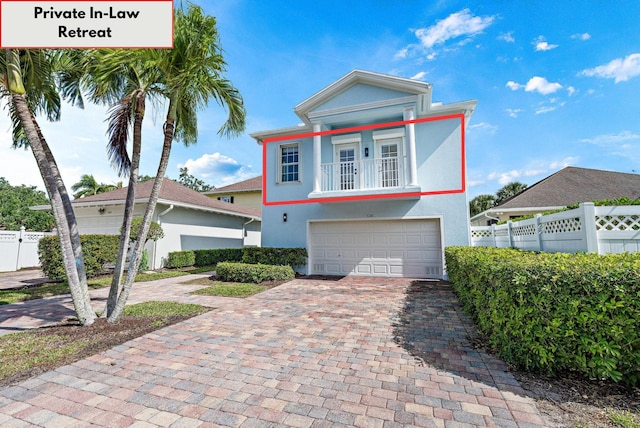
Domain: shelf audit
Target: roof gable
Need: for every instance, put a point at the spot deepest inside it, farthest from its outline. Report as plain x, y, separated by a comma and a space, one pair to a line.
572, 185
171, 192
251, 185
361, 88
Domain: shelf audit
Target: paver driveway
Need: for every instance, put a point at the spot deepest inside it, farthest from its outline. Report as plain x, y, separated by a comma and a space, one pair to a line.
355, 352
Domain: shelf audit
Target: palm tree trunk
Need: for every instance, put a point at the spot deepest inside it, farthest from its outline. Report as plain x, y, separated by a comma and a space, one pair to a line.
51, 178
129, 205
136, 255
70, 216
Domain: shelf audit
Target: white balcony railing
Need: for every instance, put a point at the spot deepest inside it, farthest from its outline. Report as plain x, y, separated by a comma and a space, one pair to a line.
363, 174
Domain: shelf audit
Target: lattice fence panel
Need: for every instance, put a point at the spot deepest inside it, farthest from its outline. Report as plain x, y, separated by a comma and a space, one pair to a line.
618, 222
563, 225
526, 230
481, 233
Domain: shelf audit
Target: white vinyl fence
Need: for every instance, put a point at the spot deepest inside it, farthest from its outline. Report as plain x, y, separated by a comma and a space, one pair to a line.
19, 249
588, 228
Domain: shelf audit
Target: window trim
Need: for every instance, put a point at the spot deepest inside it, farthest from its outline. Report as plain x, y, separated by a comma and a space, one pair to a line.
279, 163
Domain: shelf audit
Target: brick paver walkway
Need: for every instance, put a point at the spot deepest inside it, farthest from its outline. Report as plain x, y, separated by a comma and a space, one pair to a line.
354, 352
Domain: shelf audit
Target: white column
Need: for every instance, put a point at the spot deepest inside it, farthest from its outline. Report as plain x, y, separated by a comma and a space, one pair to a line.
317, 155
410, 114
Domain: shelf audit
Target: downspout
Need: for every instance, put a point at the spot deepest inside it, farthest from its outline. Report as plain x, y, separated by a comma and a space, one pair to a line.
155, 243
244, 230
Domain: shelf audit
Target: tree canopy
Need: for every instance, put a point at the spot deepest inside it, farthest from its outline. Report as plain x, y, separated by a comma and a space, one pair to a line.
483, 202
192, 182
14, 208
88, 186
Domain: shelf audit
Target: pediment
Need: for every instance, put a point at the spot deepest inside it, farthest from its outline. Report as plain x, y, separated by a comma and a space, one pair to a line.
362, 88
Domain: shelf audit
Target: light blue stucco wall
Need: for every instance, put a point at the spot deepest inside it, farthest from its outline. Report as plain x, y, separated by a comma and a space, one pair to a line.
360, 94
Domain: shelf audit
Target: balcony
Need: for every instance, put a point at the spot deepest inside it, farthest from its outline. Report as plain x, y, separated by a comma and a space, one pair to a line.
363, 177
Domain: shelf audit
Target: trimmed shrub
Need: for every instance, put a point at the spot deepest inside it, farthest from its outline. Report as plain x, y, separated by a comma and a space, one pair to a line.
253, 273
215, 256
97, 251
144, 261
275, 256
178, 259
552, 312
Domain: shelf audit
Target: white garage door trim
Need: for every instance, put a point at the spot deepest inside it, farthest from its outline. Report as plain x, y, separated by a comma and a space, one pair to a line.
389, 247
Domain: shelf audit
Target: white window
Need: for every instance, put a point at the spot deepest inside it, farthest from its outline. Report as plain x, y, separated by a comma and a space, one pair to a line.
228, 199
289, 163
346, 158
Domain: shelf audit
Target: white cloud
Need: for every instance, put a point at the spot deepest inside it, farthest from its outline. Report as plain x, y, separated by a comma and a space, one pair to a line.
534, 169
484, 126
583, 36
507, 37
462, 24
620, 69
571, 90
624, 144
218, 169
541, 85
611, 139
545, 109
513, 112
419, 76
513, 85
536, 84
541, 44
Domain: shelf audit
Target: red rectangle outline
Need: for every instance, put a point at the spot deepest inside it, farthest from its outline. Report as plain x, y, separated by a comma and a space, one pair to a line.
266, 141
85, 47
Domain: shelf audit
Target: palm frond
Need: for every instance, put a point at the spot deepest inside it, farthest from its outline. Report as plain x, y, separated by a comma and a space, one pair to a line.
120, 120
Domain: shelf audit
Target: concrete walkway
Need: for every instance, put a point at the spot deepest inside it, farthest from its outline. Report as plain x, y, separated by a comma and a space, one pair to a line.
309, 353
52, 310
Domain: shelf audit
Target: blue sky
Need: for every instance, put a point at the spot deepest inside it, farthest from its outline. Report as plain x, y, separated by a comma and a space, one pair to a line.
557, 84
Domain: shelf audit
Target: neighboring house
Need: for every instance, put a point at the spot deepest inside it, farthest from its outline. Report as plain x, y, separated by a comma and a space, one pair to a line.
247, 193
190, 220
372, 182
568, 186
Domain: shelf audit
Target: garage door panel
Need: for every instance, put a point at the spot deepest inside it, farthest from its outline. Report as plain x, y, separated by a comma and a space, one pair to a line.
409, 247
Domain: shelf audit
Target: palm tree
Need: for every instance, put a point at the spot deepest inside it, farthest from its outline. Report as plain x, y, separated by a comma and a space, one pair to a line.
191, 76
509, 190
32, 73
122, 79
88, 186
481, 203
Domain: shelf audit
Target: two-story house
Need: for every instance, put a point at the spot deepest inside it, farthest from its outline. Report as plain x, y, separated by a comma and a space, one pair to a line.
372, 182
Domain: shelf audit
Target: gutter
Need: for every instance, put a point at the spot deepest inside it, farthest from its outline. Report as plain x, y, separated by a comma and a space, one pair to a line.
244, 231
155, 243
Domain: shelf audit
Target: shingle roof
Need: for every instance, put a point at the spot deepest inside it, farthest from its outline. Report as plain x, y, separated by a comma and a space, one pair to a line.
251, 185
172, 192
572, 185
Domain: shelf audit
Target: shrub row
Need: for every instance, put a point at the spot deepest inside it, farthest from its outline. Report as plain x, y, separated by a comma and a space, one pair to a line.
212, 257
275, 256
178, 259
97, 250
249, 255
252, 273
552, 312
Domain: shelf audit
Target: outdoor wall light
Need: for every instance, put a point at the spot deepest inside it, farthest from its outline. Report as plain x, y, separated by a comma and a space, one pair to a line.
366, 152
101, 210
284, 217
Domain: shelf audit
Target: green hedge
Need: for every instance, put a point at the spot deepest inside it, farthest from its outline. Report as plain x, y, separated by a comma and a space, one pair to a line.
253, 273
178, 259
552, 312
212, 257
97, 251
275, 256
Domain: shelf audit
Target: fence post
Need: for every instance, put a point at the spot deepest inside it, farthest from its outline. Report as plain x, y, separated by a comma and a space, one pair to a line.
509, 224
591, 233
20, 239
493, 235
538, 218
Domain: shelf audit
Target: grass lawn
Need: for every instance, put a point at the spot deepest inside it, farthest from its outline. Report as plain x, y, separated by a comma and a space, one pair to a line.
226, 289
31, 352
55, 289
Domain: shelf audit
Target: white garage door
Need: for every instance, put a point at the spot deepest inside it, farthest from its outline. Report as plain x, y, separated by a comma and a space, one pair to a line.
394, 248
